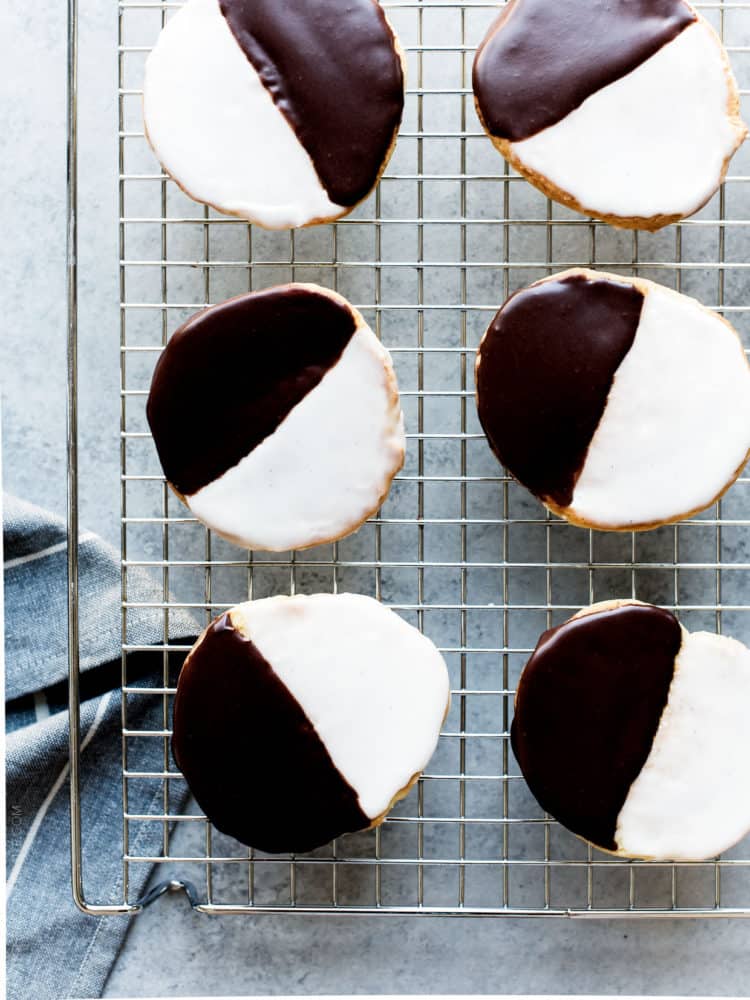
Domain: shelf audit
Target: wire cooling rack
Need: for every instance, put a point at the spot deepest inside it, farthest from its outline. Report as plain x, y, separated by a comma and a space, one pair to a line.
458, 549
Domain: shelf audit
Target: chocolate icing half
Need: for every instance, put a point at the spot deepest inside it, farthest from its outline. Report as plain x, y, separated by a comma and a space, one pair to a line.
332, 69
545, 368
541, 59
587, 710
233, 372
250, 755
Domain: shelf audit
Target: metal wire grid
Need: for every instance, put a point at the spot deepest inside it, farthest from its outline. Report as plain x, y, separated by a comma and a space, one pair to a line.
458, 549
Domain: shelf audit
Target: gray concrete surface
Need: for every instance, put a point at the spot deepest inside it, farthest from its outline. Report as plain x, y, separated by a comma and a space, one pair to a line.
171, 951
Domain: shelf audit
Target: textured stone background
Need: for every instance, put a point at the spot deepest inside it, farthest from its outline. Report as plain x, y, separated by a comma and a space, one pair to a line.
170, 951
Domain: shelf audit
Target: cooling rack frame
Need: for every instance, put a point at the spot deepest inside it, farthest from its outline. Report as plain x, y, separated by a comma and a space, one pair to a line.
456, 219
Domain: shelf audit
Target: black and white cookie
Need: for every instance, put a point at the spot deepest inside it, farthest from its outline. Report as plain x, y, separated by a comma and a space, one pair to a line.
619, 403
284, 114
626, 110
298, 719
633, 732
276, 417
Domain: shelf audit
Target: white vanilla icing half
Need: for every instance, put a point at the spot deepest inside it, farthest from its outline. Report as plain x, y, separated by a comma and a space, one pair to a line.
690, 800
327, 465
217, 131
676, 426
654, 142
375, 689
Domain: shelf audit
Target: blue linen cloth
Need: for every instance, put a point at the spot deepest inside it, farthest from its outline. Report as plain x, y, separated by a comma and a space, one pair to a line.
54, 950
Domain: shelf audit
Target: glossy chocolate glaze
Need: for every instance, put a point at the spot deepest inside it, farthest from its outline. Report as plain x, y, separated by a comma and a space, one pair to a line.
587, 710
541, 59
545, 369
250, 755
230, 375
332, 69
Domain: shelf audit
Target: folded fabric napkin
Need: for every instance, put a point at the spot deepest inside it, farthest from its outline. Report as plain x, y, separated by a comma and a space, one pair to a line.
54, 950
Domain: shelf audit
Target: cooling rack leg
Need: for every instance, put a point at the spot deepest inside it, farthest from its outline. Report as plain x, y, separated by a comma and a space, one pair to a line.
169, 885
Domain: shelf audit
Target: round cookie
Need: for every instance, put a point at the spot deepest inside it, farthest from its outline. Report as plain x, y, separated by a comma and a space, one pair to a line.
626, 110
276, 418
298, 719
632, 732
284, 114
622, 405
